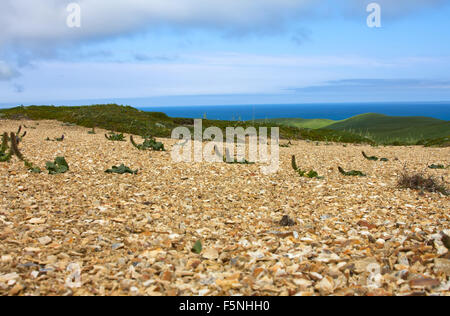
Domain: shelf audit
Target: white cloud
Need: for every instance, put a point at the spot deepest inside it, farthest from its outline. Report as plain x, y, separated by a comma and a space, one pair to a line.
43, 22
393, 8
29, 21
7, 72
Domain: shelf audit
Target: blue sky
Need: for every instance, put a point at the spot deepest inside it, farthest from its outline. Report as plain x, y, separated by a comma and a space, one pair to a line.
176, 52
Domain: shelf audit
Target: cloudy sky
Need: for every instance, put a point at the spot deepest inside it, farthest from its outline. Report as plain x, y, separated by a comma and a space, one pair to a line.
176, 52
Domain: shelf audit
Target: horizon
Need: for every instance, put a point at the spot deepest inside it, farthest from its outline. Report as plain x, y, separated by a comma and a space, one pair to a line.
282, 52
246, 112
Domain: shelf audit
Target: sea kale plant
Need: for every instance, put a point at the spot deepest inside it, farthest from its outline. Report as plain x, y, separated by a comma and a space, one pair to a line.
353, 173
10, 148
439, 166
311, 174
57, 139
122, 169
115, 137
149, 143
58, 166
374, 158
232, 160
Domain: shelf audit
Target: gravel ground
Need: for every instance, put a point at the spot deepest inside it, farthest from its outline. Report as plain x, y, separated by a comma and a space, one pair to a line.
86, 232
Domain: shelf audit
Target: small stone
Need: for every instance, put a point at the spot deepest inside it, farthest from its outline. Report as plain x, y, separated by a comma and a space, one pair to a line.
167, 276
403, 260
32, 249
367, 225
302, 284
380, 242
117, 246
326, 286
45, 240
210, 254
424, 283
37, 221
16, 289
364, 264
442, 265
8, 277
315, 276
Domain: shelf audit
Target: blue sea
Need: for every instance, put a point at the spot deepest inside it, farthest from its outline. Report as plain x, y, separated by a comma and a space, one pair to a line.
439, 110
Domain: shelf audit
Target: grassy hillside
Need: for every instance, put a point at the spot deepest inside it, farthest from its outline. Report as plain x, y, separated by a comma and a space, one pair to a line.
302, 123
126, 119
391, 129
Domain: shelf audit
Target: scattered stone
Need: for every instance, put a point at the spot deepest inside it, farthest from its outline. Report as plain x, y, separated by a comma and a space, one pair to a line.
367, 225
442, 265
134, 235
424, 283
210, 254
117, 246
37, 221
45, 240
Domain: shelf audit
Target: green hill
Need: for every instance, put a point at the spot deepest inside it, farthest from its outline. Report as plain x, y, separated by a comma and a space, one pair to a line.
365, 128
125, 119
301, 123
391, 129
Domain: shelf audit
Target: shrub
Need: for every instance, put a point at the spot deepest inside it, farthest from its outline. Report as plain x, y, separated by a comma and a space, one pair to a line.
419, 181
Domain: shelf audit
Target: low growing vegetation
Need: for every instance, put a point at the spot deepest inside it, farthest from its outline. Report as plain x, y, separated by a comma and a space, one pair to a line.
419, 181
115, 137
122, 169
374, 158
311, 174
59, 166
149, 144
352, 173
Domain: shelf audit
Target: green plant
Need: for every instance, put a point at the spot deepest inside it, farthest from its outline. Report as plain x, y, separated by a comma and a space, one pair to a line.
149, 143
374, 158
5, 155
231, 160
58, 166
294, 163
197, 248
122, 169
14, 150
433, 166
311, 174
353, 173
289, 144
18, 137
92, 131
57, 139
115, 137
